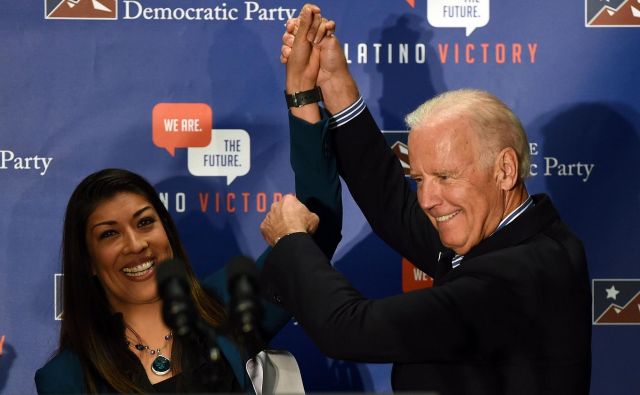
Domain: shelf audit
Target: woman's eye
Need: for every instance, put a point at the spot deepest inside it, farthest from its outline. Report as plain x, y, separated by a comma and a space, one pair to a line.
146, 221
106, 234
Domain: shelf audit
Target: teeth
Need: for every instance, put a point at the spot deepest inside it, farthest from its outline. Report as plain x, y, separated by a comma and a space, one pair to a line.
137, 270
446, 217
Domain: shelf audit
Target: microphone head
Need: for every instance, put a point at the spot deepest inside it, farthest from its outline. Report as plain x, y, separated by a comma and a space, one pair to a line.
170, 269
244, 306
177, 310
241, 266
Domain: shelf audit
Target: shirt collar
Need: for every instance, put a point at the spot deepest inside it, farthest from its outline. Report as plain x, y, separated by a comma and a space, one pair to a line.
457, 259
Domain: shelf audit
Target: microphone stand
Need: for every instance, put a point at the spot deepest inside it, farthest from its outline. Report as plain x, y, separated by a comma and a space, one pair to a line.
212, 352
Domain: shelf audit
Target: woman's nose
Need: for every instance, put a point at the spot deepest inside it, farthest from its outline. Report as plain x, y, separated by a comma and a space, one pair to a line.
134, 243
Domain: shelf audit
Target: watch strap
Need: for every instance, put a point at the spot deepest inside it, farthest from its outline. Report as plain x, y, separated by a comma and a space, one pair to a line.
299, 99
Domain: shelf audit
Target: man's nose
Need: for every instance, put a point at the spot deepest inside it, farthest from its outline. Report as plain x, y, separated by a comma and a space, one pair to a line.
429, 195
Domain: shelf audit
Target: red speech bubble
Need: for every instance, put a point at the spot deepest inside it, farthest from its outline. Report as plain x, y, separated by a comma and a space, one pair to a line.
181, 125
414, 278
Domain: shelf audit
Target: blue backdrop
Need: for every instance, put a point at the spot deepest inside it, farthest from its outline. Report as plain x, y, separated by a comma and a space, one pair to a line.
79, 80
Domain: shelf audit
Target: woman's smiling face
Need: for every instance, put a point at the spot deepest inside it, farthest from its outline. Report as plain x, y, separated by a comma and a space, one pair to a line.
126, 241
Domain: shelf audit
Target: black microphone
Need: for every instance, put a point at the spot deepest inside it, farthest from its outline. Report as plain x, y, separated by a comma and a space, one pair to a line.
244, 308
178, 310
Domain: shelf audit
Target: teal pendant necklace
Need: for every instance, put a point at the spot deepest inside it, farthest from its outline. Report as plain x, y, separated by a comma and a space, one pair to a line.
161, 364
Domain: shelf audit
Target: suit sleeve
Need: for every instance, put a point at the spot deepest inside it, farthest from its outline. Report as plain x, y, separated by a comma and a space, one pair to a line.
377, 183
430, 324
62, 375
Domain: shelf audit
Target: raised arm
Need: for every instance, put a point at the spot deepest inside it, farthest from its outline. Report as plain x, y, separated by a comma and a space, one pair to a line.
317, 181
314, 165
364, 160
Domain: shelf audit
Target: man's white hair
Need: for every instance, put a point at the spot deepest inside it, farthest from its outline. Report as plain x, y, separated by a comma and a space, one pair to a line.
495, 124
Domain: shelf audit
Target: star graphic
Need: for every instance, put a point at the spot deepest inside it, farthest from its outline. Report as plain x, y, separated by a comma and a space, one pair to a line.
612, 292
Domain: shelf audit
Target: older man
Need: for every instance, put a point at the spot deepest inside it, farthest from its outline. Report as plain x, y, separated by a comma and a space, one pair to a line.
510, 309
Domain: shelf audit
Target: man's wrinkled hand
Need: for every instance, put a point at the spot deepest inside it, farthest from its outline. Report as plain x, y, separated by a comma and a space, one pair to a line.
287, 216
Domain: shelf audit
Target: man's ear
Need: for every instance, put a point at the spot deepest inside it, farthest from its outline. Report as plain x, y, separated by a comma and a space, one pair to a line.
507, 169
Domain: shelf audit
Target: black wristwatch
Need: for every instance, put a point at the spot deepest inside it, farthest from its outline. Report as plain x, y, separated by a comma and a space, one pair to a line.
299, 99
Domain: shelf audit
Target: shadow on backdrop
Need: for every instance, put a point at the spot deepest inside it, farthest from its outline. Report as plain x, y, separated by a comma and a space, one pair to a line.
208, 237
401, 87
604, 211
6, 360
256, 82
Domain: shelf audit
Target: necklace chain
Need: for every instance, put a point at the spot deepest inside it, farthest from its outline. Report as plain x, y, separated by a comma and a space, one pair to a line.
142, 347
161, 364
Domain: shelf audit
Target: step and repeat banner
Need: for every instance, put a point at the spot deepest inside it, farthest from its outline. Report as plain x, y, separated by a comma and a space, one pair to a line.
189, 93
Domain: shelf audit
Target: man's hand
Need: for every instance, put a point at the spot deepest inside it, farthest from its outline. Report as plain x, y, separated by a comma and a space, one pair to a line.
285, 217
1, 344
323, 62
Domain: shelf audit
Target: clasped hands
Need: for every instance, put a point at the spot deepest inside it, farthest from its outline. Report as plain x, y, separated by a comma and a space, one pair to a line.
314, 57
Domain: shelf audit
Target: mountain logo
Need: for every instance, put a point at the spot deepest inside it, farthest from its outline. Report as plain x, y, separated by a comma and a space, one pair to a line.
402, 152
397, 140
81, 9
612, 13
616, 302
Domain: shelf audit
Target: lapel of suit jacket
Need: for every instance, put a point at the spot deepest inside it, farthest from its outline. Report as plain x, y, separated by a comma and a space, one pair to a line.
443, 266
527, 225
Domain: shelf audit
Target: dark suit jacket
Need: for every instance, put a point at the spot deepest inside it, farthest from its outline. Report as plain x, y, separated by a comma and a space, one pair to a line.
321, 192
514, 318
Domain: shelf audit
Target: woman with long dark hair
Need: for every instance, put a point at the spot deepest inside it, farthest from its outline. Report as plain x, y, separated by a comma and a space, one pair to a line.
113, 337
